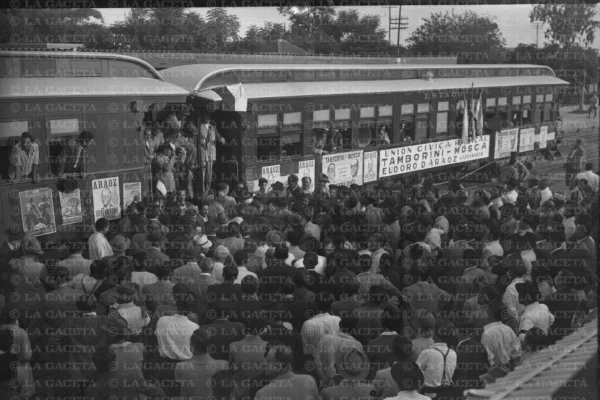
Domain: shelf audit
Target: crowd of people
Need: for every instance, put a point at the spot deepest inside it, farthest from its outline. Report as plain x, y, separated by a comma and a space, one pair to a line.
341, 293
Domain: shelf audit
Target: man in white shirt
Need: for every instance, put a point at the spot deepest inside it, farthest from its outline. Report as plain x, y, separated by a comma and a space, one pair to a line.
592, 178
320, 325
437, 363
511, 195
173, 334
241, 258
511, 297
99, 246
75, 263
499, 340
535, 315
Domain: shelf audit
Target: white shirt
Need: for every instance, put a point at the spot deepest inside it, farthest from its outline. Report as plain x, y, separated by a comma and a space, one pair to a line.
76, 265
173, 334
313, 229
319, 268
99, 246
511, 298
536, 315
434, 238
570, 228
493, 248
500, 342
317, 327
592, 178
242, 273
143, 278
510, 197
431, 362
546, 195
404, 395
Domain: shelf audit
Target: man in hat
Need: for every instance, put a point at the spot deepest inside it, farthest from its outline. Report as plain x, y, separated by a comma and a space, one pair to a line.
162, 168
409, 379
278, 189
76, 264
209, 135
574, 163
73, 156
284, 383
322, 190
153, 138
123, 307
438, 362
224, 199
233, 242
424, 339
500, 341
592, 178
180, 132
293, 190
535, 315
98, 245
24, 159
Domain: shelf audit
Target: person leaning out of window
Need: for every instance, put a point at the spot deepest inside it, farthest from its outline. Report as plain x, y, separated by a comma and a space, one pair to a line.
24, 159
73, 156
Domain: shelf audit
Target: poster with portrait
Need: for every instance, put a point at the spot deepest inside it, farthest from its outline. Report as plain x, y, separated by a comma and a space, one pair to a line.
37, 211
506, 142
344, 168
370, 166
132, 191
526, 140
70, 207
307, 169
272, 174
107, 198
544, 137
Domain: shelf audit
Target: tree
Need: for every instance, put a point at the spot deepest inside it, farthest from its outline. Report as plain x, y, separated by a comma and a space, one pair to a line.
465, 35
568, 24
221, 28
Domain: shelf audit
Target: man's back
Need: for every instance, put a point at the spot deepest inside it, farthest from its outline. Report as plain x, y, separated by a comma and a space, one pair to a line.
76, 265
290, 386
471, 363
196, 374
438, 364
222, 333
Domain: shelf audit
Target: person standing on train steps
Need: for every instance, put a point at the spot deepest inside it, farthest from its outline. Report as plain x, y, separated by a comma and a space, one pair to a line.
574, 163
208, 148
24, 159
181, 132
162, 167
153, 138
72, 161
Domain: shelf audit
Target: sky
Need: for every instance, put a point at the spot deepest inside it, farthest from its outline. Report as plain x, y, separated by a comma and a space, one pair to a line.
513, 20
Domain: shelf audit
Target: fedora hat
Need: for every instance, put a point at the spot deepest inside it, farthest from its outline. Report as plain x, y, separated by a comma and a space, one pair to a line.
66, 185
354, 365
31, 244
126, 292
295, 219
120, 243
14, 232
277, 186
324, 178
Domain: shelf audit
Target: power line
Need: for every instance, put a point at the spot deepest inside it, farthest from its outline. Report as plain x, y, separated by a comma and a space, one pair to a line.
398, 24
537, 28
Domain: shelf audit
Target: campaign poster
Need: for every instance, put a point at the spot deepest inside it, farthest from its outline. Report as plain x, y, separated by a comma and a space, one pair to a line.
526, 140
370, 166
132, 192
506, 142
307, 169
272, 174
544, 137
431, 155
344, 169
107, 198
37, 211
70, 207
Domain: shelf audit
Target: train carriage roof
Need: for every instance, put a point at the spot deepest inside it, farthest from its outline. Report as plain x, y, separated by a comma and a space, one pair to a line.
547, 371
57, 88
198, 77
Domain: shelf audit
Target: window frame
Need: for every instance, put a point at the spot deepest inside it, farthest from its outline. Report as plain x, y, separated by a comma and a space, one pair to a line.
279, 132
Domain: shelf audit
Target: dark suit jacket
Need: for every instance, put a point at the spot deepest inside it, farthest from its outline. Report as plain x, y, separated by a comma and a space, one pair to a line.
222, 296
273, 277
471, 362
155, 259
290, 338
222, 333
68, 158
380, 352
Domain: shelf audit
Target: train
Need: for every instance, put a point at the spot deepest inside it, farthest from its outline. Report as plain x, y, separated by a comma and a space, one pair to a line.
389, 122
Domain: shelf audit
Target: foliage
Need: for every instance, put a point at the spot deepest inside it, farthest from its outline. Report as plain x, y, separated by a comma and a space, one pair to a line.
569, 24
464, 35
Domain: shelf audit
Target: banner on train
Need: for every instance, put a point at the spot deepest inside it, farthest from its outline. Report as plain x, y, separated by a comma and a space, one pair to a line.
132, 191
307, 168
370, 166
37, 211
526, 140
506, 142
107, 198
544, 137
70, 207
344, 168
431, 155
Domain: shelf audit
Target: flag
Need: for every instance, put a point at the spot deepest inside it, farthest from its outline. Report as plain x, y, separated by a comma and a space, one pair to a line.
465, 127
472, 117
479, 116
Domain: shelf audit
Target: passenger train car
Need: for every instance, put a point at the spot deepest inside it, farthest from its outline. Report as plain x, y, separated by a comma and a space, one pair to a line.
56, 95
273, 117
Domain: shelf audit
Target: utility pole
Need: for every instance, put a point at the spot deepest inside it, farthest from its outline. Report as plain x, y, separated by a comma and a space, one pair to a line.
537, 29
398, 24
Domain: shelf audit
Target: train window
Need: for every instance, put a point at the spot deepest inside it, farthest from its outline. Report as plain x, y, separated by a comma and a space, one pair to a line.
516, 111
407, 127
490, 102
342, 134
268, 141
443, 105
290, 120
422, 108
321, 115
408, 109
367, 112
503, 109
366, 132
86, 67
13, 128
539, 98
291, 135
422, 126
385, 111
441, 122
37, 67
267, 123
343, 114
384, 131
526, 99
516, 100
549, 98
502, 101
63, 126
